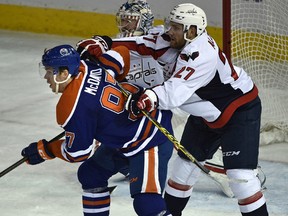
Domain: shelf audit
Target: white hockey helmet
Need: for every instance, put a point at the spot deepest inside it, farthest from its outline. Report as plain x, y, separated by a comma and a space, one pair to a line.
138, 10
189, 15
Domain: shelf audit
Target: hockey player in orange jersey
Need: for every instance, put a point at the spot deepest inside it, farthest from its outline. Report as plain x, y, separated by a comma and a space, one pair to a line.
91, 107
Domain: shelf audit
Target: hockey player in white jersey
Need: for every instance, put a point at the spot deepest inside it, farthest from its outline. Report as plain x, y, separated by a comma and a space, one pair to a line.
224, 108
135, 18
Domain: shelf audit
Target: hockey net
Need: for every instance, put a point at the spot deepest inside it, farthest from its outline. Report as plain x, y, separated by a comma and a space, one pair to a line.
259, 44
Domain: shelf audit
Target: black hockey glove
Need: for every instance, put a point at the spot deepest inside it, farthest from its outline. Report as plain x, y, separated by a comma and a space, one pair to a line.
131, 104
37, 152
93, 48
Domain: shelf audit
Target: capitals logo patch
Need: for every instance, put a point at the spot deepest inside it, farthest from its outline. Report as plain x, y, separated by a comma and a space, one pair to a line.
193, 56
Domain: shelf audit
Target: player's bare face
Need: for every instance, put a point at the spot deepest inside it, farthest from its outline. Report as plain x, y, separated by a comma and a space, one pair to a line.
177, 35
49, 76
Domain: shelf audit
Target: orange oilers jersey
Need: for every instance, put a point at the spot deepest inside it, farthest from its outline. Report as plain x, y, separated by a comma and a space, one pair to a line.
92, 107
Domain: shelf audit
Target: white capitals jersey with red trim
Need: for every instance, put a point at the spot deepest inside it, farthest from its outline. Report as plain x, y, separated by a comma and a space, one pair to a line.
144, 71
151, 58
206, 84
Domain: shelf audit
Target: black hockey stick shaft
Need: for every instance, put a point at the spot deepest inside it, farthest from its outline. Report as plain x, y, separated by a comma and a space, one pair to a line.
13, 166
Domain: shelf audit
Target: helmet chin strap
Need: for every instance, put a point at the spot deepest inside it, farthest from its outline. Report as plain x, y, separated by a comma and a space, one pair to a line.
57, 88
58, 83
191, 40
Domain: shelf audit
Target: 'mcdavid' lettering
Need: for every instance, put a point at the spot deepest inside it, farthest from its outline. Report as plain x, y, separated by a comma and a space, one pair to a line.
93, 81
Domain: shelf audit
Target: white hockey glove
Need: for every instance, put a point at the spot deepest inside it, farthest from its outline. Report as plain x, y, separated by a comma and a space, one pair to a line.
93, 48
147, 100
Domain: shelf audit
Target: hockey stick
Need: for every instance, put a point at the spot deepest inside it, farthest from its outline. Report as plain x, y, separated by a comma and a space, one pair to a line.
176, 143
13, 166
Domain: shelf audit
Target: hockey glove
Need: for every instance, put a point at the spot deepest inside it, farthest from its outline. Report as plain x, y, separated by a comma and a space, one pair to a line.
131, 104
148, 101
37, 152
93, 48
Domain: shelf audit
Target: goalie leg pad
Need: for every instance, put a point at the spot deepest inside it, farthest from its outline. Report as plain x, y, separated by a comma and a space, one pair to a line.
158, 206
247, 185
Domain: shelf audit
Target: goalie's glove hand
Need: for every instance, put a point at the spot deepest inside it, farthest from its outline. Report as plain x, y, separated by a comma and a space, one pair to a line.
93, 48
148, 101
37, 152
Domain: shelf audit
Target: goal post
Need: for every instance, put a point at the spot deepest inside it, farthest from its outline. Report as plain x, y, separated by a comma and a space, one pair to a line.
255, 37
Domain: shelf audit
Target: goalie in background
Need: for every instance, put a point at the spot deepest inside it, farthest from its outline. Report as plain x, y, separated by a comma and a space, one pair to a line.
135, 18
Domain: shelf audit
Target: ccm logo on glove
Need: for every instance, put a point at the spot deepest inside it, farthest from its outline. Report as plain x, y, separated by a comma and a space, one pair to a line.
37, 152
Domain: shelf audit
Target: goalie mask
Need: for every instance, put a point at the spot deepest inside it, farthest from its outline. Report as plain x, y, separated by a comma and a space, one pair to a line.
188, 15
59, 58
134, 18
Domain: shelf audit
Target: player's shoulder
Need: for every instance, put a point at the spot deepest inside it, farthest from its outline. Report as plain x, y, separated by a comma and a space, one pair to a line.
68, 100
200, 49
190, 52
156, 30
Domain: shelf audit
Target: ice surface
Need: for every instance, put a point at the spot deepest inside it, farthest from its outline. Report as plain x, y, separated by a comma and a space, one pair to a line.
27, 109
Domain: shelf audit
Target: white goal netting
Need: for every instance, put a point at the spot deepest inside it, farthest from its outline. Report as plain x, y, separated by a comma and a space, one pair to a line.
259, 44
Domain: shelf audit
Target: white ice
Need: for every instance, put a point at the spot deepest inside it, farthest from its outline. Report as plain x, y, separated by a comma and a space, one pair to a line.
27, 110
